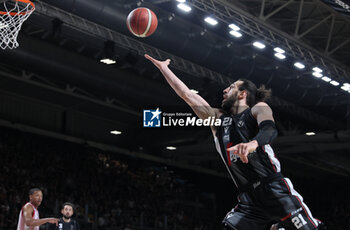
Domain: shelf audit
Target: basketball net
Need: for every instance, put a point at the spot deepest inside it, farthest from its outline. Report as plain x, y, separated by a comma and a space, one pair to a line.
12, 15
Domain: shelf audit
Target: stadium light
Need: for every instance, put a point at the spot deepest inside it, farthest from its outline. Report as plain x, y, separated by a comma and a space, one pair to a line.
299, 65
317, 74
235, 33
107, 61
259, 45
211, 21
335, 83
116, 132
171, 148
326, 79
279, 50
345, 87
310, 134
316, 69
234, 27
184, 7
280, 56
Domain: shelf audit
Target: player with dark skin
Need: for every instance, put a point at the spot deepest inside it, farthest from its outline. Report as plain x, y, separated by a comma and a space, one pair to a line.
35, 200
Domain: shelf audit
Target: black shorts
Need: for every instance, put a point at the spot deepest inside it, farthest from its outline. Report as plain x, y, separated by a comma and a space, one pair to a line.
273, 201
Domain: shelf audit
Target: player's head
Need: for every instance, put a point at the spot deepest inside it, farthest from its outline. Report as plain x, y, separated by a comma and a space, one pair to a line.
67, 210
35, 196
245, 91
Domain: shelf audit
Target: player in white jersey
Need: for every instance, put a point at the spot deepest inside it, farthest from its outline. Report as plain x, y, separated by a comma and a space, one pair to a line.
29, 216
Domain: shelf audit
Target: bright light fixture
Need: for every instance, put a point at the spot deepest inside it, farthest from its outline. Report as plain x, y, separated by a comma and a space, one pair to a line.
279, 50
116, 132
184, 7
326, 79
235, 33
335, 83
316, 69
259, 45
345, 87
280, 56
107, 61
171, 148
299, 65
181, 1
234, 27
211, 21
194, 91
317, 74
310, 134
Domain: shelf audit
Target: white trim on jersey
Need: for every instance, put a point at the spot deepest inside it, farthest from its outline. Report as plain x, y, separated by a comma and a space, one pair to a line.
301, 199
268, 149
21, 222
217, 145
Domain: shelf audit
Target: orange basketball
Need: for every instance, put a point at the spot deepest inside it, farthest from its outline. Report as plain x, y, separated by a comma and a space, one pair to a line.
142, 22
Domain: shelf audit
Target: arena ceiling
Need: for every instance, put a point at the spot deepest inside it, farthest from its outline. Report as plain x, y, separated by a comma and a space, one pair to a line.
57, 69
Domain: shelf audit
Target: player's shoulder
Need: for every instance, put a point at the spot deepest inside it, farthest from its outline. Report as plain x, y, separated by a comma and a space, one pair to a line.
260, 106
28, 209
28, 206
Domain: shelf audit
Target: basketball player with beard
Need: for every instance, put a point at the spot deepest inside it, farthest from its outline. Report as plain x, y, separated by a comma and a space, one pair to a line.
66, 222
243, 142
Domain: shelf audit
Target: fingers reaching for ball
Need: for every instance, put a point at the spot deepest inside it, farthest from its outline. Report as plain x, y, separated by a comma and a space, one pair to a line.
157, 63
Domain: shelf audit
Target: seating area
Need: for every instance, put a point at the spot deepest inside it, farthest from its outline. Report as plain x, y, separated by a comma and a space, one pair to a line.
112, 192
108, 193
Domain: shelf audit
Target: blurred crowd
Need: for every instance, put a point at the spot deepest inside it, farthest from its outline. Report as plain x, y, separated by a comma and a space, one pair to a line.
111, 192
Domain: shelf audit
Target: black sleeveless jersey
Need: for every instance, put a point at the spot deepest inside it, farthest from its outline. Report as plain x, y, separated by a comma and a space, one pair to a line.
236, 129
62, 225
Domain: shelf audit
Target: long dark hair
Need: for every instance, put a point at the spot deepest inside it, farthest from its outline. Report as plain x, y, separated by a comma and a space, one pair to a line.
254, 94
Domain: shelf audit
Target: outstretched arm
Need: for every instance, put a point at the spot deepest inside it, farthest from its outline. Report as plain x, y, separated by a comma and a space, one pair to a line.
201, 107
29, 221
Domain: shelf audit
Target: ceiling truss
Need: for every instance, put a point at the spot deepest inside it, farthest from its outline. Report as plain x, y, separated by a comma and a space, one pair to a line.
259, 27
181, 64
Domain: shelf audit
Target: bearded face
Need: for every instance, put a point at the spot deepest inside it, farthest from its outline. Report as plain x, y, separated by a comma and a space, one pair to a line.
228, 102
67, 212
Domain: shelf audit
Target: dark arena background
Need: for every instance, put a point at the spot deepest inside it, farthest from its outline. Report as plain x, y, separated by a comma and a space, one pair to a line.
59, 105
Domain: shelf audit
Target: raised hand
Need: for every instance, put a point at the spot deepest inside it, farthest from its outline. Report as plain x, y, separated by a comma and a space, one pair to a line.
159, 64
